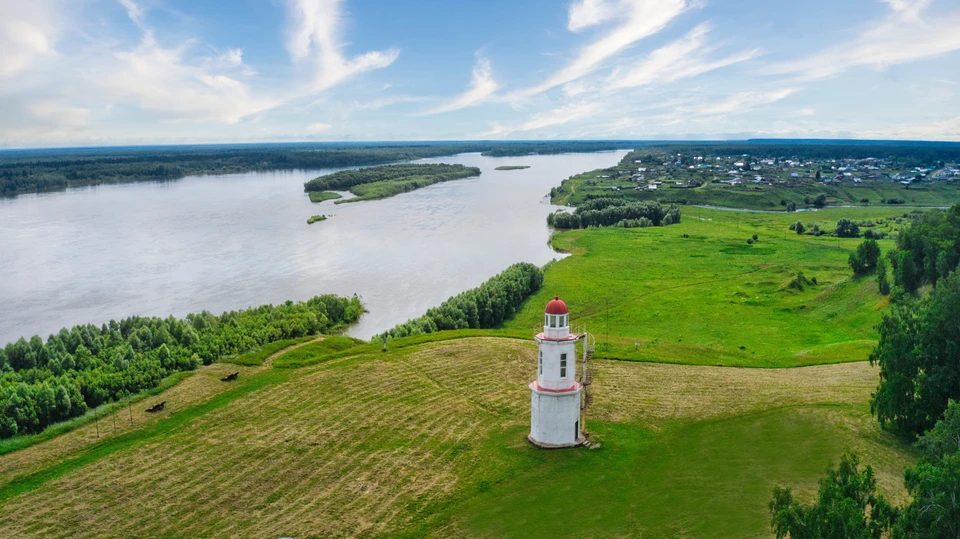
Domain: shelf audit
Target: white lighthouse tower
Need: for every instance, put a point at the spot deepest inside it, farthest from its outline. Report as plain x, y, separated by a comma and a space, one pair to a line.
555, 395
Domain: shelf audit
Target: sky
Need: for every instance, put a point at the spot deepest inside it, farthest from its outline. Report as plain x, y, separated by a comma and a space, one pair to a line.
119, 72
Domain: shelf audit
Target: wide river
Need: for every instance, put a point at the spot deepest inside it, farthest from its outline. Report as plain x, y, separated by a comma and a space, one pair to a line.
221, 243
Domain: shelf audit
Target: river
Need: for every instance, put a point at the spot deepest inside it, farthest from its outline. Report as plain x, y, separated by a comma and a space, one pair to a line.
220, 243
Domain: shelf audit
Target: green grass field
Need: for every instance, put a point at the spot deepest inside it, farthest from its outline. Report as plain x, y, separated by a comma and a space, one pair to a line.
418, 442
710, 298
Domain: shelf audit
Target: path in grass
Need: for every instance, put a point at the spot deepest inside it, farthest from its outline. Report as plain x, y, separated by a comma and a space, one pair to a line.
425, 438
698, 293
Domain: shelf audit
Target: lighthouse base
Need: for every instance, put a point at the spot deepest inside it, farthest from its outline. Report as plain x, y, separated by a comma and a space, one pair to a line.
555, 416
542, 445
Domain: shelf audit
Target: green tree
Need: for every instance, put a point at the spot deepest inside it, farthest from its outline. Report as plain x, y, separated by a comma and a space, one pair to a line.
865, 257
847, 228
798, 227
917, 353
882, 283
905, 271
820, 201
934, 483
847, 507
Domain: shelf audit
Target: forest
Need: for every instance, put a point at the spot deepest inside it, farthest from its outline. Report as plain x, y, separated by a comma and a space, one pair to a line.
388, 180
486, 306
35, 171
42, 383
599, 212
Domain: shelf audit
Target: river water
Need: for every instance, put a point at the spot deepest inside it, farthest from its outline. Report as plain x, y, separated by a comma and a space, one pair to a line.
221, 243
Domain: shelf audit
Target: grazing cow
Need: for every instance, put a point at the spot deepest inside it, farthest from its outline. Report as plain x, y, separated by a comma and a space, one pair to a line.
230, 377
156, 407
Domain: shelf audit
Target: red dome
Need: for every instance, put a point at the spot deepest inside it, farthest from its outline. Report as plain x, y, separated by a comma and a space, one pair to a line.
556, 306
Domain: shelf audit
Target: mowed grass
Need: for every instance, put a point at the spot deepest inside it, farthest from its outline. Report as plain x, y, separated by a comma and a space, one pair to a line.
430, 440
257, 357
712, 299
316, 351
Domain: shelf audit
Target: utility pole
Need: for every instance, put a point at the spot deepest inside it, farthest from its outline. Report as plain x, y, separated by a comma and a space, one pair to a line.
130, 409
96, 422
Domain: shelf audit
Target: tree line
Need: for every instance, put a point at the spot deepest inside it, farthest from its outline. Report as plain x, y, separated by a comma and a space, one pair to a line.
34, 171
345, 179
600, 212
486, 306
45, 382
918, 353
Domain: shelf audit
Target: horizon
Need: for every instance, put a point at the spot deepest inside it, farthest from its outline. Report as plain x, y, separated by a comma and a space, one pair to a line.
407, 142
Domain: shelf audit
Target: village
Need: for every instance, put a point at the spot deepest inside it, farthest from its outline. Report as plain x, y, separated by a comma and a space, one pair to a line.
703, 178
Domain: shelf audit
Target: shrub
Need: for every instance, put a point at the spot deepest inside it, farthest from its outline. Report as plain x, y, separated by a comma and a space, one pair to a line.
847, 228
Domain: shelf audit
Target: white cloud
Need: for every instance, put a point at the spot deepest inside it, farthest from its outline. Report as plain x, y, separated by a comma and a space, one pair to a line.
738, 103
680, 59
482, 86
899, 37
908, 9
134, 11
28, 31
163, 81
640, 19
318, 127
314, 37
586, 13
557, 116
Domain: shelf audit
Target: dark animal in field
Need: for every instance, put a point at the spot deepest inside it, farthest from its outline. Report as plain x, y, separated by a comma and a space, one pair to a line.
230, 377
156, 407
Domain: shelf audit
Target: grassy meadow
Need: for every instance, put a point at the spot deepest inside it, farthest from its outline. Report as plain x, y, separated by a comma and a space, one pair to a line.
418, 441
698, 293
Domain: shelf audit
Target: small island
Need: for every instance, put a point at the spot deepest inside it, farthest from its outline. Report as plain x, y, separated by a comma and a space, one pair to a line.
512, 167
384, 181
316, 218
320, 196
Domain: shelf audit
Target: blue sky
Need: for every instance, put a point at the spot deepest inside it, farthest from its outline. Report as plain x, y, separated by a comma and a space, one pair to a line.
99, 72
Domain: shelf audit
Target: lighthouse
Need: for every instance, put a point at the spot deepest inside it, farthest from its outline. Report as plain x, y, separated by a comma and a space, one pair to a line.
555, 395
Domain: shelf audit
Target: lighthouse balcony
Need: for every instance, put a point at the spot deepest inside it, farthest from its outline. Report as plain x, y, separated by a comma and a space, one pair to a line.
537, 388
556, 337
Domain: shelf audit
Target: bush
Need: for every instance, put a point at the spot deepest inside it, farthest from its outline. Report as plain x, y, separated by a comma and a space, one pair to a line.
847, 228
606, 211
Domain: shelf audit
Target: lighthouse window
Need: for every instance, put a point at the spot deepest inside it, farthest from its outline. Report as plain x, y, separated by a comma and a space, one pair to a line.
563, 365
553, 321
541, 363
